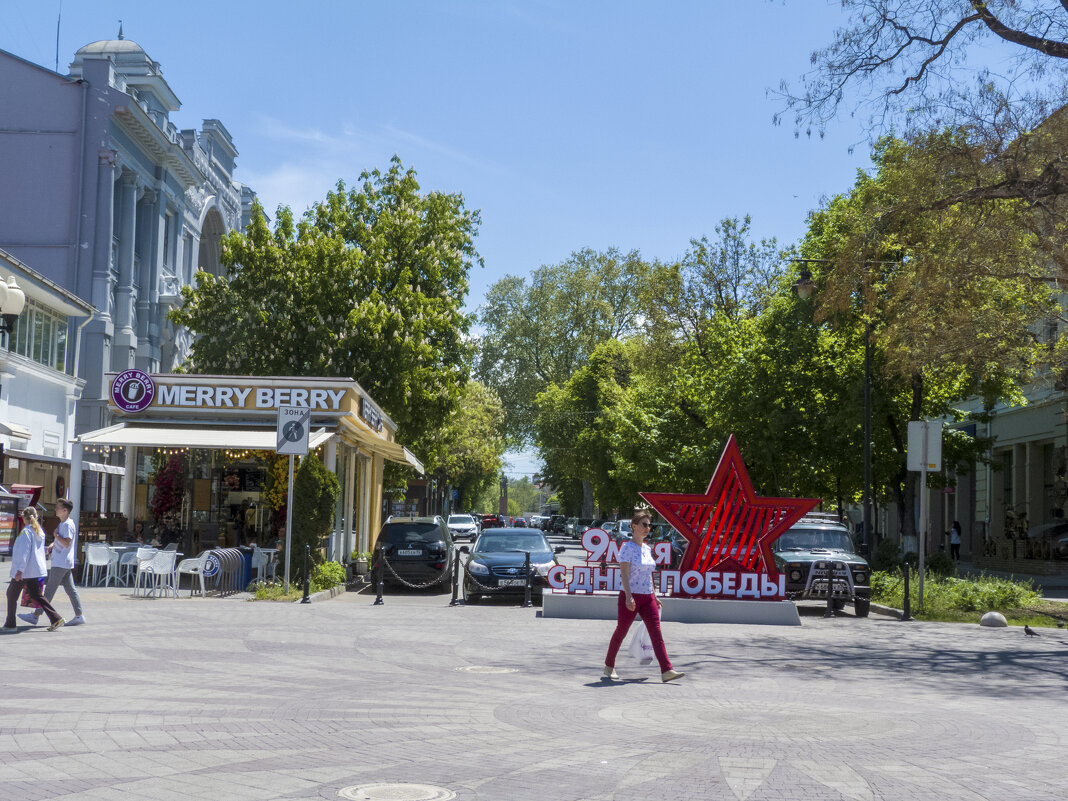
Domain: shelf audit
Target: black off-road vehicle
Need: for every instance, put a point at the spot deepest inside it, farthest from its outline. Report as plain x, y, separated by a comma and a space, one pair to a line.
818, 548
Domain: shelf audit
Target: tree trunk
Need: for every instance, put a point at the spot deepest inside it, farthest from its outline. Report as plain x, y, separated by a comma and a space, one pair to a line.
587, 499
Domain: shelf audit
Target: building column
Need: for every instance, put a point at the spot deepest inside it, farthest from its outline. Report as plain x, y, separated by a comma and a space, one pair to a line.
75, 493
349, 501
95, 284
153, 216
1019, 481
366, 519
125, 343
330, 461
129, 484
1037, 506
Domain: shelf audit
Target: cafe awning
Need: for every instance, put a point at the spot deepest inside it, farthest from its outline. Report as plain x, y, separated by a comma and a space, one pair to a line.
390, 450
256, 439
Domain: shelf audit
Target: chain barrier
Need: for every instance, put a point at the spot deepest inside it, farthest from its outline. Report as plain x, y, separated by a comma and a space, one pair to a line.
444, 575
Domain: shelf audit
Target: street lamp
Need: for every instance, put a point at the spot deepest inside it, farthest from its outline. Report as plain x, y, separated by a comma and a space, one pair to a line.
12, 302
804, 287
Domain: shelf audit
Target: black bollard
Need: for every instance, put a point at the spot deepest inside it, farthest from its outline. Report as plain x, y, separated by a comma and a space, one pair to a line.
526, 587
455, 577
307, 579
380, 569
906, 613
830, 590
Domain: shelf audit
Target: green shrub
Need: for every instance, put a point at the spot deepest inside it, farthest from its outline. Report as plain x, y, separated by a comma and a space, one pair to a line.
946, 596
940, 565
887, 556
912, 558
326, 575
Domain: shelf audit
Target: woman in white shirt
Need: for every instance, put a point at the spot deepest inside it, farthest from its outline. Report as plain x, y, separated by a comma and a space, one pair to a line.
27, 568
636, 566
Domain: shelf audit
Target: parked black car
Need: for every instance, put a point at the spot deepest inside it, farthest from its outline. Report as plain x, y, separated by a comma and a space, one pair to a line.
418, 550
556, 524
497, 561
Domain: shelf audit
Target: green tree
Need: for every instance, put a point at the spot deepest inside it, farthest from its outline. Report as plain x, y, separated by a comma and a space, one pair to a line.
472, 444
315, 495
540, 332
951, 293
370, 284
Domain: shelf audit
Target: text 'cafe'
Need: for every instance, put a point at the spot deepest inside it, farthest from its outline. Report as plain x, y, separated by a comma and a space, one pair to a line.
206, 445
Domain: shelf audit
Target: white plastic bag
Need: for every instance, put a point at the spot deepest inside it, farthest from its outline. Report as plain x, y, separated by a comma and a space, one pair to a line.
641, 647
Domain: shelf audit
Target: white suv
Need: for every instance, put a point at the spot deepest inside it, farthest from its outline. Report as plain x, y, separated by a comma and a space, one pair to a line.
463, 526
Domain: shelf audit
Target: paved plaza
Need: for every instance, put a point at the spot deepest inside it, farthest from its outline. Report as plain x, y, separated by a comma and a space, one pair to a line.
225, 699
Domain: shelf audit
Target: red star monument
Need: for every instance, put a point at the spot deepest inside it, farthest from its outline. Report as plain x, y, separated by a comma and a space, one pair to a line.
730, 526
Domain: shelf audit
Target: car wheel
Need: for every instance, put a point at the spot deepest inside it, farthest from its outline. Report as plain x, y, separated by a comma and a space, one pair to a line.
862, 606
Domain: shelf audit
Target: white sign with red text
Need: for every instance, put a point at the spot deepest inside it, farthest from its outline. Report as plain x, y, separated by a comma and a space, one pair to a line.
601, 573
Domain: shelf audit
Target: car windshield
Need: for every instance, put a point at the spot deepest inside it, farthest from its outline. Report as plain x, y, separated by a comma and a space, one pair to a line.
405, 533
461, 520
496, 542
805, 539
624, 526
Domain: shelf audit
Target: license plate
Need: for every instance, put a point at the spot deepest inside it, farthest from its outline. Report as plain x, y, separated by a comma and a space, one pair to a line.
409, 552
513, 582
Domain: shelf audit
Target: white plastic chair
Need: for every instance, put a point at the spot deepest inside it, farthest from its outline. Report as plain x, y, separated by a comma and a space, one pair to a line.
171, 546
163, 572
101, 556
144, 558
127, 567
262, 563
194, 567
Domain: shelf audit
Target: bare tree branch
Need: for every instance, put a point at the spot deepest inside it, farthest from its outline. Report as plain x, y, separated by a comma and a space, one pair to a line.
1039, 43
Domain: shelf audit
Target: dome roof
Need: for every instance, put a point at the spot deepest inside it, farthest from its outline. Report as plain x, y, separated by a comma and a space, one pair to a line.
107, 46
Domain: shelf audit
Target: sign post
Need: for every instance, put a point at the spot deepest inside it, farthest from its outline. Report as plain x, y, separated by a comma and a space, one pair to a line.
294, 423
924, 453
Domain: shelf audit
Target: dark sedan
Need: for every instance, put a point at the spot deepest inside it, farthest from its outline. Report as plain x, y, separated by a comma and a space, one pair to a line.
496, 563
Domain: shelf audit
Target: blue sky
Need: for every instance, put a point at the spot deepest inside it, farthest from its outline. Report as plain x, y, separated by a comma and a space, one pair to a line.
569, 124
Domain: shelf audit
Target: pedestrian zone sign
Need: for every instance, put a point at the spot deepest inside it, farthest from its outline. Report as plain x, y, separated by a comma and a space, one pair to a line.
294, 423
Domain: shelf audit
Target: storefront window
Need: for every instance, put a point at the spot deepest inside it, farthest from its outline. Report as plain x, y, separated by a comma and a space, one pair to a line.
41, 335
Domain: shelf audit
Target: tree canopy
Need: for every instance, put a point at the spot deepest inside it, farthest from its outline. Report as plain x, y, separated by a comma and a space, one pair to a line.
539, 332
369, 284
996, 70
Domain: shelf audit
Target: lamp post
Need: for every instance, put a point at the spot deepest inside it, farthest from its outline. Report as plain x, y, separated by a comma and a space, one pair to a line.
804, 287
12, 302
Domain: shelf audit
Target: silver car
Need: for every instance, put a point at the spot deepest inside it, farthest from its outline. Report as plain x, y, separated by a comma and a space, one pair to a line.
461, 526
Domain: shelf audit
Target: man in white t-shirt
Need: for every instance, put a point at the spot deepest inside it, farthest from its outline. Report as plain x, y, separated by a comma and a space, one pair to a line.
62, 570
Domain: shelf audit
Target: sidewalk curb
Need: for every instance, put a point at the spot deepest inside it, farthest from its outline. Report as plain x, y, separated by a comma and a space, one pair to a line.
324, 595
889, 611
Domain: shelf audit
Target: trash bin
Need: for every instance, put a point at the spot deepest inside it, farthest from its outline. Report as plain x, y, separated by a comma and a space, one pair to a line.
246, 566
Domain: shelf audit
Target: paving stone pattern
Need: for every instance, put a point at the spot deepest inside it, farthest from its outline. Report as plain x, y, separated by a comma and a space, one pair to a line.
225, 699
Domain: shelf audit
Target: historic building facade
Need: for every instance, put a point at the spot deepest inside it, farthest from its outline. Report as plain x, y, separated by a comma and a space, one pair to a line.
114, 207
108, 199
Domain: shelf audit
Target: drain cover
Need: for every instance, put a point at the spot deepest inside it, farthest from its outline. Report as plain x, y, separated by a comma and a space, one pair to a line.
396, 792
486, 669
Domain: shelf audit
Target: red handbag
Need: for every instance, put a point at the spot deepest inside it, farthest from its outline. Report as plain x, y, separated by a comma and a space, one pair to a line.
26, 600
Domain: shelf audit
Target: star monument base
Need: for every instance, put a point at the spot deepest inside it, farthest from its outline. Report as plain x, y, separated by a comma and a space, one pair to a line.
602, 606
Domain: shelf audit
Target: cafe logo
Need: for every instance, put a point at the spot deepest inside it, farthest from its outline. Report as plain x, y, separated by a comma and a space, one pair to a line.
133, 391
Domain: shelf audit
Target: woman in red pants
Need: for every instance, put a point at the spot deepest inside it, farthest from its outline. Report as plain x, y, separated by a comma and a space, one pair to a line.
28, 566
636, 566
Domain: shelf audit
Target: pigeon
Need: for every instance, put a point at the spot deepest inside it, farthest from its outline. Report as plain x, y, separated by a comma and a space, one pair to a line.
1030, 632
